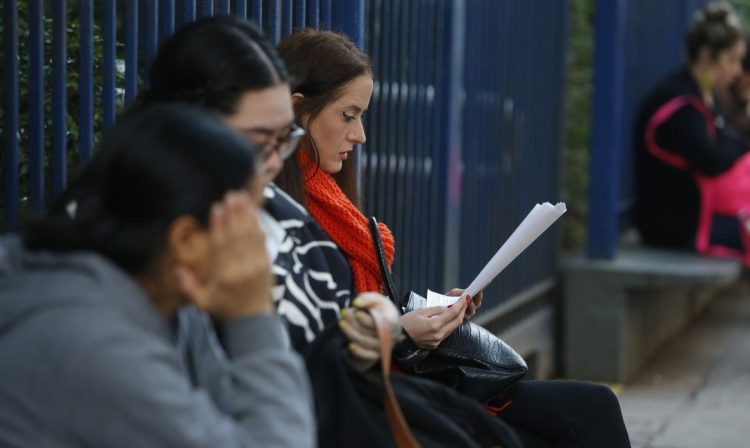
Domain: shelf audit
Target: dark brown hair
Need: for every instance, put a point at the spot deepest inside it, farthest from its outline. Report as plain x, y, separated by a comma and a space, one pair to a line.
716, 26
321, 64
211, 63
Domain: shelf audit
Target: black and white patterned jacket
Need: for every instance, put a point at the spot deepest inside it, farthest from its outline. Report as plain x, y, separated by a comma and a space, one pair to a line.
313, 278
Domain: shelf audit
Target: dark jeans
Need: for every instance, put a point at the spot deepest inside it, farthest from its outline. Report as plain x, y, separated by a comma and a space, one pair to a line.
565, 414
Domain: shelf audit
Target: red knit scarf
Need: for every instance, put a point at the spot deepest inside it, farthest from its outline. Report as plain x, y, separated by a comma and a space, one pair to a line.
346, 226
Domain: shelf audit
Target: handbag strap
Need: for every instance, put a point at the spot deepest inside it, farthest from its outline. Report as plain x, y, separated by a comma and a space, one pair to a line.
377, 241
399, 427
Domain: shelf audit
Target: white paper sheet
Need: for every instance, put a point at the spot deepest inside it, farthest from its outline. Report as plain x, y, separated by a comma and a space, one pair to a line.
541, 217
437, 299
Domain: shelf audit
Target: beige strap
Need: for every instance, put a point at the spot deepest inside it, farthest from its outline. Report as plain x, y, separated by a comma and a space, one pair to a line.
399, 427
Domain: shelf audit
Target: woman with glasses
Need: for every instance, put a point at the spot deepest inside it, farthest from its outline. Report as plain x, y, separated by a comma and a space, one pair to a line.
225, 65
284, 145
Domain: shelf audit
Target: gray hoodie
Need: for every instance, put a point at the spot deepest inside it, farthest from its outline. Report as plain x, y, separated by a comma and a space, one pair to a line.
85, 360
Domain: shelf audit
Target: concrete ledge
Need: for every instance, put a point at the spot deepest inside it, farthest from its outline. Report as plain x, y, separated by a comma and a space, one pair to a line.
617, 313
642, 266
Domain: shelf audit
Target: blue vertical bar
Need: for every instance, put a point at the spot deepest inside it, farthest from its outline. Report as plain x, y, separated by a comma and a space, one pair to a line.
313, 14
434, 78
224, 7
411, 150
422, 142
131, 50
59, 97
150, 32
36, 104
86, 81
526, 188
374, 116
348, 16
258, 14
272, 27
326, 13
472, 136
299, 14
287, 10
390, 58
607, 133
109, 42
378, 182
166, 19
10, 113
437, 182
560, 50
188, 11
241, 8
207, 8
404, 149
399, 54
452, 124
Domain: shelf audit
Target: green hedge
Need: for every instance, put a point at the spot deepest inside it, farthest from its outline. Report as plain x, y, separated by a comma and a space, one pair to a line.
73, 66
578, 91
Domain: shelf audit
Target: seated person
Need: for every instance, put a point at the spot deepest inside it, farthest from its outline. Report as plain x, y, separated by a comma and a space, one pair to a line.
682, 139
89, 295
332, 88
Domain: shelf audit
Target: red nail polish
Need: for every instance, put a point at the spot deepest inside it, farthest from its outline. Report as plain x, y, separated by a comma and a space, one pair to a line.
468, 299
450, 306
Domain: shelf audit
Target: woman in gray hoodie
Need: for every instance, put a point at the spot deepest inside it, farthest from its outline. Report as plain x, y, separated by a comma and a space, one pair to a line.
89, 294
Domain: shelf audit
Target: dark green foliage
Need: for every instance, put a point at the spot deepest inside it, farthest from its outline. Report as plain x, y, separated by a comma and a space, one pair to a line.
578, 92
73, 67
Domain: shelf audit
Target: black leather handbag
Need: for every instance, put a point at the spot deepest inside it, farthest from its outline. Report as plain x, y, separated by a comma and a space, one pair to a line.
472, 360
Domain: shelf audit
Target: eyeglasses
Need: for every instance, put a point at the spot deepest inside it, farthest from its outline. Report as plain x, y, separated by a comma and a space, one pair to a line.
284, 146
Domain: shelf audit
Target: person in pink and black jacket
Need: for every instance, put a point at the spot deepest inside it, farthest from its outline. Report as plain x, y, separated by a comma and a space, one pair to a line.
683, 142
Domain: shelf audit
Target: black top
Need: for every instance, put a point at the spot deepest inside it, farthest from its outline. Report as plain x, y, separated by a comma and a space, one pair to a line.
667, 198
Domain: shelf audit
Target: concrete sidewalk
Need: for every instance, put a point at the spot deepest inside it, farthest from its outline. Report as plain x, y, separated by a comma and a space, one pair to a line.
696, 392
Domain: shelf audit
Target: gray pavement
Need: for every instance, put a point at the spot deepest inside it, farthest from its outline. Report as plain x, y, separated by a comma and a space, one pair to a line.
695, 393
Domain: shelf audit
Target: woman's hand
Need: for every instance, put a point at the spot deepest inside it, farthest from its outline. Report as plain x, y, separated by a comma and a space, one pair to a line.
239, 278
427, 327
359, 327
473, 306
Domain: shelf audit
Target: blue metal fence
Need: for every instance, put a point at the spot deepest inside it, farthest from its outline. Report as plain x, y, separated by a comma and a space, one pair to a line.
464, 134
511, 141
637, 43
142, 25
404, 173
463, 131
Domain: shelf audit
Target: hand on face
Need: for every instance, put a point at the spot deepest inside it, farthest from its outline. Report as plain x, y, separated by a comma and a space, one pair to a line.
239, 278
359, 327
719, 71
427, 327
